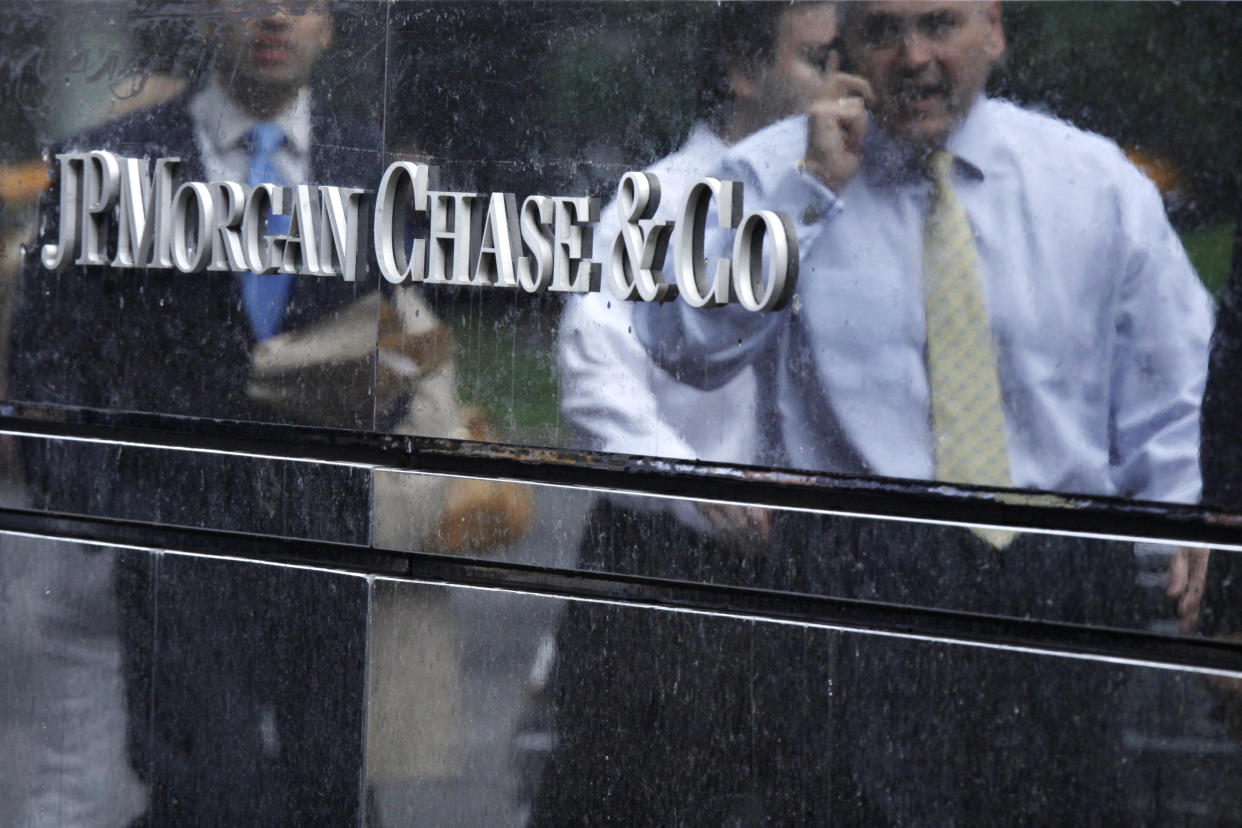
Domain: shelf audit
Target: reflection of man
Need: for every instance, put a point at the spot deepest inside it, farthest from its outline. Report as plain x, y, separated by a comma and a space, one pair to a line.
766, 62
977, 281
220, 722
1221, 457
1222, 446
763, 62
985, 295
253, 119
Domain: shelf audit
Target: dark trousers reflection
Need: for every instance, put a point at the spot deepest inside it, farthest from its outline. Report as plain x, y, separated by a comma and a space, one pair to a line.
947, 733
1221, 459
63, 714
245, 685
675, 717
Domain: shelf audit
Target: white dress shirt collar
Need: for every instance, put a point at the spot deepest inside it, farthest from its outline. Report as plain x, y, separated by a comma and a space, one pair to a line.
703, 139
224, 124
973, 142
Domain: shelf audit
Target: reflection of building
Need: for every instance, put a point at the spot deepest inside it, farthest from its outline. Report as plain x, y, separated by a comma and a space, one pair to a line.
383, 675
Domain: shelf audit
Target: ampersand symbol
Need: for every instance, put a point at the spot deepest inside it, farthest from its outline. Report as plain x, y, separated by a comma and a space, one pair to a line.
636, 263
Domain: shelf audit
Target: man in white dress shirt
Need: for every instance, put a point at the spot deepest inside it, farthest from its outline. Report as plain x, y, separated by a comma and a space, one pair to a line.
1098, 324
1084, 371
769, 60
766, 61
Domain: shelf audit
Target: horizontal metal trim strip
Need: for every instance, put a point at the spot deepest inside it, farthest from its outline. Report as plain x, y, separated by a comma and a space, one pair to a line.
778, 488
966, 628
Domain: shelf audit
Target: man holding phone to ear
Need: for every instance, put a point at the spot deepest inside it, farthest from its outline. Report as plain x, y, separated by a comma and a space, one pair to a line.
985, 296
1081, 314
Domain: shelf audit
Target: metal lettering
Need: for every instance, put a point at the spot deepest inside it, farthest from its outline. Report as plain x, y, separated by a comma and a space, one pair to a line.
301, 247
454, 216
572, 269
404, 186
226, 242
143, 237
101, 183
782, 270
544, 245
636, 262
264, 254
187, 257
534, 273
339, 229
688, 258
57, 256
499, 246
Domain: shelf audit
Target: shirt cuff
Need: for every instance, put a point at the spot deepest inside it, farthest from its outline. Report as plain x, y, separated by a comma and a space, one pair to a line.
808, 201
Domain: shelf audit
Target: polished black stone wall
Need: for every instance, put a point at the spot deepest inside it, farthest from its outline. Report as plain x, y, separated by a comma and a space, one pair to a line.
404, 579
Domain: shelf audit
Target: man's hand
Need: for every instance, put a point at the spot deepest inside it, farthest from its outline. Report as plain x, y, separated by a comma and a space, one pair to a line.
1187, 578
739, 526
836, 125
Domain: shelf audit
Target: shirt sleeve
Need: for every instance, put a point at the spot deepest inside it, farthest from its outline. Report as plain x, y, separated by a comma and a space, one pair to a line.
1163, 328
706, 347
606, 391
606, 375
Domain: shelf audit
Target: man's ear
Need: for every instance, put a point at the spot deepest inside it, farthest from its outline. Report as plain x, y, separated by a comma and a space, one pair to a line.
325, 37
996, 37
741, 84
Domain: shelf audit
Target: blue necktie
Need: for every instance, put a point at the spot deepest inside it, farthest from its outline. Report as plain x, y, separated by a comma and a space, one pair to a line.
265, 295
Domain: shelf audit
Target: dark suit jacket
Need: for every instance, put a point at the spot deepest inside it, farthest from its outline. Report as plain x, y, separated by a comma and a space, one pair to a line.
162, 341
1220, 455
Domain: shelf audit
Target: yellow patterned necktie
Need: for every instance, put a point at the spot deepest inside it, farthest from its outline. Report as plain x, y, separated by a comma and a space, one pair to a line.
968, 422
